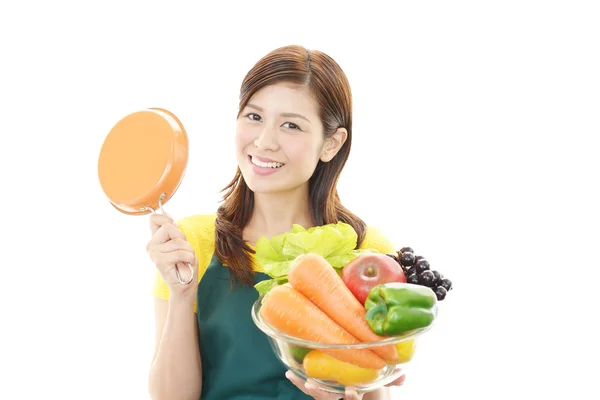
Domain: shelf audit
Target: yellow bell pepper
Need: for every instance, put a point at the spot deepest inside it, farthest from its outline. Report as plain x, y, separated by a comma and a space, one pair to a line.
406, 350
319, 365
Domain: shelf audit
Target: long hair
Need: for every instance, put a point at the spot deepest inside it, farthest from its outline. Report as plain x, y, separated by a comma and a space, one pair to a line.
329, 86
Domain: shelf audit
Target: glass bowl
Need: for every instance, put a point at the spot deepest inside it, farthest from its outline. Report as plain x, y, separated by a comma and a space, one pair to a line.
317, 362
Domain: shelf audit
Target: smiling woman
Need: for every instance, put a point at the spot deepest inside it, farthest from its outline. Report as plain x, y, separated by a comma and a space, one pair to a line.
284, 146
293, 137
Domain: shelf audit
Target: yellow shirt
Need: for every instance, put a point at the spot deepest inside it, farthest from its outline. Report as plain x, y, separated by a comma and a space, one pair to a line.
200, 233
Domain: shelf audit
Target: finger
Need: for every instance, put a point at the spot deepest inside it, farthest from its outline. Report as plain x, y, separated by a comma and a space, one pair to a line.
398, 381
178, 256
319, 394
167, 261
158, 220
174, 244
315, 392
297, 381
164, 233
352, 395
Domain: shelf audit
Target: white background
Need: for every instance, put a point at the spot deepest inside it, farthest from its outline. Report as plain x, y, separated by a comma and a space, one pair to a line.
476, 127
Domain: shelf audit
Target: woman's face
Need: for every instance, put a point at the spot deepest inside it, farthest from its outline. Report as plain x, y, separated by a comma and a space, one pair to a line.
279, 138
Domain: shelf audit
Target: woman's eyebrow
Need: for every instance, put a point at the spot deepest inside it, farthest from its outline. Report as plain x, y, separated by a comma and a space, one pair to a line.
292, 115
286, 115
255, 107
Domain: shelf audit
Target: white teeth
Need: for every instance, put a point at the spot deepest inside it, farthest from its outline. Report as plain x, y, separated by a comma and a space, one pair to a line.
259, 163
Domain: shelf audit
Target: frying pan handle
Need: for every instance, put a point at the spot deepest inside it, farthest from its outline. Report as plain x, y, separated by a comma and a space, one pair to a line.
160, 205
191, 276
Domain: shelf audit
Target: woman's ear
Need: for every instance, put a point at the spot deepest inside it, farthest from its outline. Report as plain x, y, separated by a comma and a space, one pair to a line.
333, 144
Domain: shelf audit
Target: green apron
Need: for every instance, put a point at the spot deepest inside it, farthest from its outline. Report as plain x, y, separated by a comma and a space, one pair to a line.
237, 359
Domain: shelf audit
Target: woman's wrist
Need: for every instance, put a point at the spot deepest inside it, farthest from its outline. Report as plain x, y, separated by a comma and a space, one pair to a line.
181, 301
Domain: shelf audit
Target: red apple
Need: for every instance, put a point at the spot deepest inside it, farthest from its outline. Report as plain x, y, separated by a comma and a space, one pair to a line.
369, 270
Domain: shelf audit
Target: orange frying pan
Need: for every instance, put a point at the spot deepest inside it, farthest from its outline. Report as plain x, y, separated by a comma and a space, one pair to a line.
142, 163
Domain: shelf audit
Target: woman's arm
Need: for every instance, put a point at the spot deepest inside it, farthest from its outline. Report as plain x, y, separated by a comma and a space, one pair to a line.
176, 371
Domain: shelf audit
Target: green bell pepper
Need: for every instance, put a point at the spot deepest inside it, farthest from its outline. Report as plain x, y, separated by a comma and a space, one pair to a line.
397, 308
299, 353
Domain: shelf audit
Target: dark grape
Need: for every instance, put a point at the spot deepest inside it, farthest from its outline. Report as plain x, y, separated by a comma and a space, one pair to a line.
440, 292
422, 265
446, 284
413, 278
418, 258
426, 278
437, 277
408, 271
407, 250
407, 259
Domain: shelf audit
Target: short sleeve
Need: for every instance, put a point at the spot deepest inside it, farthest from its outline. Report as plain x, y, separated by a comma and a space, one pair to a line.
199, 231
374, 239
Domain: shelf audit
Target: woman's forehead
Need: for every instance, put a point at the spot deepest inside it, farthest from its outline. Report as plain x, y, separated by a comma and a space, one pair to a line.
285, 97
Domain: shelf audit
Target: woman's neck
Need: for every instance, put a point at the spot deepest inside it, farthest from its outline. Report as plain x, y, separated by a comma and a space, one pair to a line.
275, 214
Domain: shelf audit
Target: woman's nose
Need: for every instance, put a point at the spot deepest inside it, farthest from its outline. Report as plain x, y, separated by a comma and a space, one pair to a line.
267, 140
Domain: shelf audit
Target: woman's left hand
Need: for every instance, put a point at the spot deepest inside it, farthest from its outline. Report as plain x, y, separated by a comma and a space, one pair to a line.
398, 381
318, 394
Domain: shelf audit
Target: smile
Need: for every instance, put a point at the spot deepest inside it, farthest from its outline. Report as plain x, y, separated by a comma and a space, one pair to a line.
262, 164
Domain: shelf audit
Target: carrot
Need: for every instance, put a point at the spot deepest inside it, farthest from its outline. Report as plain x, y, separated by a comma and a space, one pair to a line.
315, 278
287, 310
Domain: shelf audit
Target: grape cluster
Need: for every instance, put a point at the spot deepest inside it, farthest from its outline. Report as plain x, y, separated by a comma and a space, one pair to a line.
418, 271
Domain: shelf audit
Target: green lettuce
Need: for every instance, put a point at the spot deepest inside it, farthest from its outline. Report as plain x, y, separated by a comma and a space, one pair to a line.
334, 242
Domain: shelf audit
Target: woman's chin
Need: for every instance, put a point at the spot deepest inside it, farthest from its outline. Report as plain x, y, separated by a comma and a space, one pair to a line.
264, 187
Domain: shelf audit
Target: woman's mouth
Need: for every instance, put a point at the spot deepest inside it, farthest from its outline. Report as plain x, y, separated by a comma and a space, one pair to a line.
259, 163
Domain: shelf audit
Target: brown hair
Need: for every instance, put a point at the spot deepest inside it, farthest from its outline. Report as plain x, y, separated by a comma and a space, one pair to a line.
330, 88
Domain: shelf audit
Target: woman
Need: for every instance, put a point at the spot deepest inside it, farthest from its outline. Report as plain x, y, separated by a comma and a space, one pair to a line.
294, 131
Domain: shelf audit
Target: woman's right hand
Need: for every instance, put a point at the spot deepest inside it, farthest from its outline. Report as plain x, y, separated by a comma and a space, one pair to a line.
169, 250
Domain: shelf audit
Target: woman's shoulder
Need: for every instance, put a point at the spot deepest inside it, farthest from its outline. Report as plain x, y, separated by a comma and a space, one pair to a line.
199, 230
197, 223
376, 239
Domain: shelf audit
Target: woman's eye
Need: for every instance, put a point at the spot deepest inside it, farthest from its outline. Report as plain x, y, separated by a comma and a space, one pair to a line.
291, 125
253, 117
